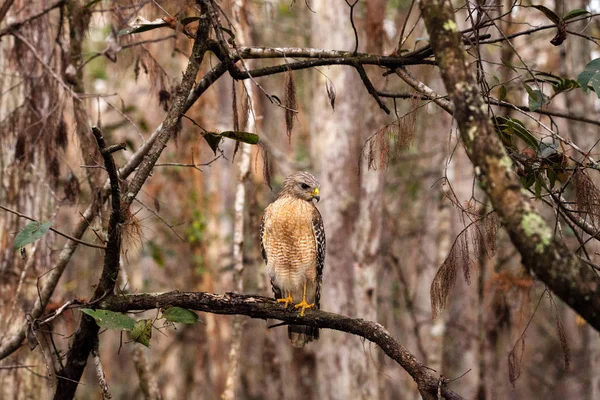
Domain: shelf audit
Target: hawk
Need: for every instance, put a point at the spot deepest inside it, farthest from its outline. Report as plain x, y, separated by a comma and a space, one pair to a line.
292, 241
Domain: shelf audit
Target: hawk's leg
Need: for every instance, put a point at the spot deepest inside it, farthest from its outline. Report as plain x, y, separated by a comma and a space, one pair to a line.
286, 300
303, 305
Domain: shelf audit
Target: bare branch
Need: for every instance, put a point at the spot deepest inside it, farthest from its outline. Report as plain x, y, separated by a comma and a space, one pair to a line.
16, 25
100, 372
544, 254
264, 308
13, 342
370, 88
86, 336
352, 5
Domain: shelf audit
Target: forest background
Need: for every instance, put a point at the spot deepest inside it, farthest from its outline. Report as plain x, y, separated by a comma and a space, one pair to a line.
419, 240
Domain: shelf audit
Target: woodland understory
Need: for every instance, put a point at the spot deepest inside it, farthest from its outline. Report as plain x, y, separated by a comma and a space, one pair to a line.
457, 148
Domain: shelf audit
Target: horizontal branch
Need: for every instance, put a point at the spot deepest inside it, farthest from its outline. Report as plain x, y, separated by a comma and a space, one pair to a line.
319, 58
263, 308
307, 52
536, 29
496, 102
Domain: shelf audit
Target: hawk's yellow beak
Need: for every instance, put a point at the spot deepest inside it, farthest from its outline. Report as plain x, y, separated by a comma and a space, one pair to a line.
316, 194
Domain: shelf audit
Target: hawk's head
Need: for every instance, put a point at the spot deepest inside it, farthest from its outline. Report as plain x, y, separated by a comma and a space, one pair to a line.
301, 185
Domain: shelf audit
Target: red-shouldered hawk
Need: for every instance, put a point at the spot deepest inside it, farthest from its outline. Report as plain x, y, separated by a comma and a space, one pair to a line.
292, 241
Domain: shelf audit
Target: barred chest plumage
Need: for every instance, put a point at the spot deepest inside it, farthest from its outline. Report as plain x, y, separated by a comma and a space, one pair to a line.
290, 243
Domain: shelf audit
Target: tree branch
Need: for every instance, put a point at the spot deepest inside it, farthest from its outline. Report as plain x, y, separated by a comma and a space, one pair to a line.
180, 102
264, 308
14, 341
97, 246
86, 336
370, 88
542, 253
496, 102
16, 25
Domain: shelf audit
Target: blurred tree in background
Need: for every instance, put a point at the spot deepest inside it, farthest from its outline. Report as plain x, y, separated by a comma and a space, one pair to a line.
456, 145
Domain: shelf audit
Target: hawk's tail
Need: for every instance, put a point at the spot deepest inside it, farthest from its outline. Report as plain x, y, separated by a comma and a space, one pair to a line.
301, 334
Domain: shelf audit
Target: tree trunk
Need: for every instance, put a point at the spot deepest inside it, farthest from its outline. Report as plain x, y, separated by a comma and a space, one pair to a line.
343, 362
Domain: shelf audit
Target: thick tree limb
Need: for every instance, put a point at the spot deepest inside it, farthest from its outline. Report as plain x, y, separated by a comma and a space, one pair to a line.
542, 253
13, 342
263, 308
86, 336
88, 329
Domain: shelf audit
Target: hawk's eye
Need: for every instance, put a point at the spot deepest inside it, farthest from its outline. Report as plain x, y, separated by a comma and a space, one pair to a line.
304, 186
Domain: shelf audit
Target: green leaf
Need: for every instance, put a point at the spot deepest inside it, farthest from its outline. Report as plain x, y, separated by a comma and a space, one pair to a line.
510, 127
110, 319
32, 232
213, 141
91, 3
575, 13
246, 137
558, 84
536, 98
181, 315
528, 180
590, 77
523, 133
502, 94
548, 13
564, 85
142, 332
213, 138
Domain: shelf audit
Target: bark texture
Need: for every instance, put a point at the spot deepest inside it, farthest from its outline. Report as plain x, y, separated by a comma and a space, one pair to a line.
542, 253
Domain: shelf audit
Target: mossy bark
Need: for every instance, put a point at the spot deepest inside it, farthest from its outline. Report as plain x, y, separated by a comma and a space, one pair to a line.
547, 257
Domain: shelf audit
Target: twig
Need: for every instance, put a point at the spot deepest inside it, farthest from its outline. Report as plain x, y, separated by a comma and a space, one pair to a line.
353, 26
537, 29
16, 366
401, 40
46, 66
16, 25
4, 8
568, 142
97, 246
157, 215
424, 89
370, 88
496, 102
266, 308
148, 383
59, 311
100, 372
196, 166
14, 341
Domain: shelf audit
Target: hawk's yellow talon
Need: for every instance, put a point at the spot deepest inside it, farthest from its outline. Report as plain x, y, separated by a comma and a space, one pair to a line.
303, 305
286, 301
